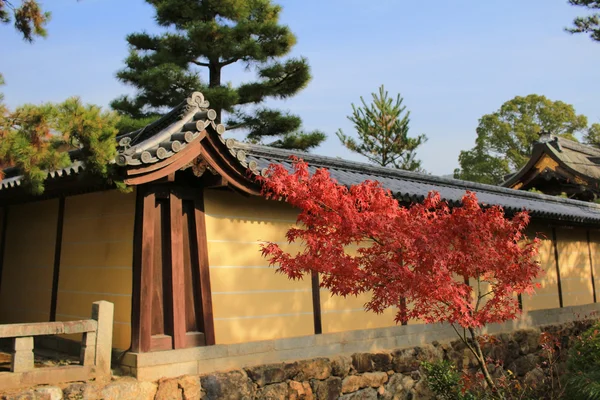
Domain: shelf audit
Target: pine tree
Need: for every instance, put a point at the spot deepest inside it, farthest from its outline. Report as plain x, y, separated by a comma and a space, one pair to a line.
35, 139
589, 24
382, 129
208, 36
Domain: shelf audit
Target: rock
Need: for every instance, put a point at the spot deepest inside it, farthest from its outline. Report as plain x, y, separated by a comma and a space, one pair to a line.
49, 393
168, 389
352, 383
405, 360
340, 366
267, 374
148, 391
535, 378
381, 361
365, 394
369, 379
421, 391
82, 391
278, 391
20, 395
231, 385
398, 386
191, 387
300, 391
525, 364
375, 379
316, 368
329, 389
126, 389
362, 362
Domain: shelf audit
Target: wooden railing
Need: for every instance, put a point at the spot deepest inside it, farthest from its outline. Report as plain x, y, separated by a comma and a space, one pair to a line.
95, 356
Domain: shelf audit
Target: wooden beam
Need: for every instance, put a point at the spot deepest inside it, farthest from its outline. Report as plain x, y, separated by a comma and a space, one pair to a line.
177, 276
316, 300
204, 273
591, 264
555, 243
146, 168
144, 242
185, 156
3, 240
57, 252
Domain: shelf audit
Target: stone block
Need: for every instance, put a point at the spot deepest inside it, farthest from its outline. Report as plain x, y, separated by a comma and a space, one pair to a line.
340, 365
329, 389
22, 354
168, 389
317, 368
103, 312
365, 394
278, 391
49, 393
271, 373
300, 391
191, 387
231, 385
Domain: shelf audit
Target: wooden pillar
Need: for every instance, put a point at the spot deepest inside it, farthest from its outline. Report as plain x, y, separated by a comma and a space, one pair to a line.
3, 240
591, 264
555, 244
177, 283
204, 272
316, 299
57, 252
143, 269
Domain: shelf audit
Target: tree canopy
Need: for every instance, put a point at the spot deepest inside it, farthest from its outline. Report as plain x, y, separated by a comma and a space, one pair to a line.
505, 138
382, 128
36, 139
208, 36
463, 266
589, 24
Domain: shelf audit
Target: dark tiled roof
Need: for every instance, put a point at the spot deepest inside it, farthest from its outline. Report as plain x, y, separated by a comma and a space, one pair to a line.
414, 187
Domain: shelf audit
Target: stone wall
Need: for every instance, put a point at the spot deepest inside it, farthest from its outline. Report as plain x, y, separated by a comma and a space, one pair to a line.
395, 374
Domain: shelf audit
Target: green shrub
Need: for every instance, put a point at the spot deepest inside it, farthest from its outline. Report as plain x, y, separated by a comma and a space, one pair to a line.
445, 381
583, 366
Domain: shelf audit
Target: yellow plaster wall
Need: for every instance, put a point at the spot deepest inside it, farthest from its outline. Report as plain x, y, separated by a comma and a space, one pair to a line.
575, 269
96, 258
547, 295
28, 267
250, 301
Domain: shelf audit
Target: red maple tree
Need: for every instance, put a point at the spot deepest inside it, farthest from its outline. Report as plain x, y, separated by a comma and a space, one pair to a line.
462, 265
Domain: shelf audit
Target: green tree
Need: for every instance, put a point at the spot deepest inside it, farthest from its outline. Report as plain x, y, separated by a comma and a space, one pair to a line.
382, 128
35, 139
210, 35
505, 138
589, 24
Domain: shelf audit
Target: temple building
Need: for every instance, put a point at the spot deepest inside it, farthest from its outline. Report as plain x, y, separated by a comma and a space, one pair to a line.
179, 256
560, 167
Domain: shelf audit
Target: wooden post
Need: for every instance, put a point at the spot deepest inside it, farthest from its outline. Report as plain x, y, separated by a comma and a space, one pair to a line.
177, 279
316, 300
103, 312
591, 264
22, 354
3, 240
57, 252
206, 294
143, 271
555, 243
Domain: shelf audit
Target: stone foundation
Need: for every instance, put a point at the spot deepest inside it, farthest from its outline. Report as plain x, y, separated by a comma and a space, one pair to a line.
393, 374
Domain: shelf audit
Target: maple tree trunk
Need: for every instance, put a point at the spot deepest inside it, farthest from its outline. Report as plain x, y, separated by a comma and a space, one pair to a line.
481, 361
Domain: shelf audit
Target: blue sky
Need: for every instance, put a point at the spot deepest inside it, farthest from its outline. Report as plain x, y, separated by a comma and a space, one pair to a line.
452, 61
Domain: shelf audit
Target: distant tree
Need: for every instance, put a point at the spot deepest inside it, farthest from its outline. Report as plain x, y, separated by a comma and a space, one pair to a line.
505, 138
212, 35
592, 136
589, 24
382, 128
35, 139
